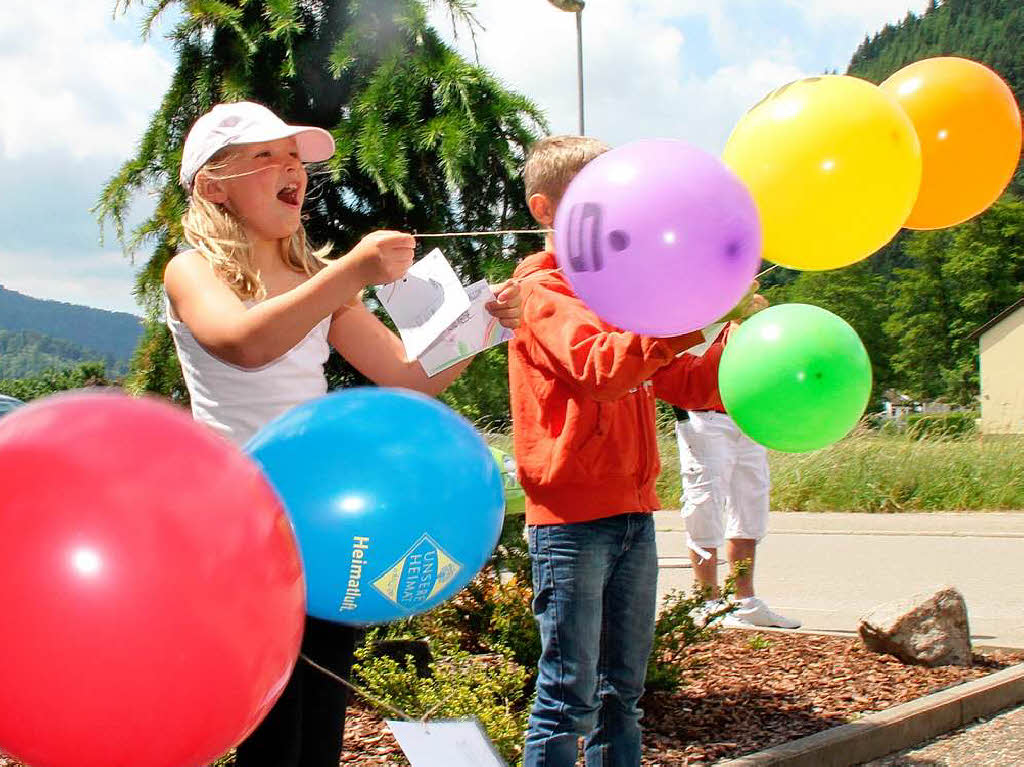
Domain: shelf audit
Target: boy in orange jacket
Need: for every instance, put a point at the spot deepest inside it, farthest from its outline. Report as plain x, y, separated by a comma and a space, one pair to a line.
584, 443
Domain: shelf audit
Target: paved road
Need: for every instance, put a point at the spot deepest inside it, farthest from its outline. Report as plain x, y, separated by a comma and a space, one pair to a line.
828, 569
998, 742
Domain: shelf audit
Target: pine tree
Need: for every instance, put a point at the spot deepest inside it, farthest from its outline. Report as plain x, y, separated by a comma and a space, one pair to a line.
427, 141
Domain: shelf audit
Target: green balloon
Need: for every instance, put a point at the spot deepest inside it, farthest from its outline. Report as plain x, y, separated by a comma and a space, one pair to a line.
795, 377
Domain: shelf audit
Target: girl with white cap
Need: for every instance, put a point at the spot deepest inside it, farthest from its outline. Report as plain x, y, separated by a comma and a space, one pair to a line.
253, 311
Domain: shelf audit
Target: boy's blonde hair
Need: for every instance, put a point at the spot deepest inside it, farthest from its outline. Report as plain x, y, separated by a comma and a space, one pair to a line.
220, 237
553, 162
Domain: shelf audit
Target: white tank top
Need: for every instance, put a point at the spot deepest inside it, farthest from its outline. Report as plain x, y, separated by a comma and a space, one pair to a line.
237, 401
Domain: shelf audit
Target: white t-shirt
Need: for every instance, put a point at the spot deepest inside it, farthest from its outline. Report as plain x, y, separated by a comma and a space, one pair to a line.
237, 401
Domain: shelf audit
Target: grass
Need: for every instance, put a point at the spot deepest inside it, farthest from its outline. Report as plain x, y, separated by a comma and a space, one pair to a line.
873, 473
869, 472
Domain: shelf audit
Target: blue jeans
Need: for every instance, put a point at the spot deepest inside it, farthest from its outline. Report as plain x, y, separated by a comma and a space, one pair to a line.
594, 586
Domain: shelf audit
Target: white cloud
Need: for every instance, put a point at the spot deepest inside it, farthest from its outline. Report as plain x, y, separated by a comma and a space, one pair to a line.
638, 72
68, 84
677, 68
872, 15
103, 279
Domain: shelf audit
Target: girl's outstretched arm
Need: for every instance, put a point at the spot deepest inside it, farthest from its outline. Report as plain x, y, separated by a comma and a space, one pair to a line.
255, 336
376, 352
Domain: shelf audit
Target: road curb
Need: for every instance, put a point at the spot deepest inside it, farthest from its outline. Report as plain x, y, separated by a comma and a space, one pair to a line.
894, 729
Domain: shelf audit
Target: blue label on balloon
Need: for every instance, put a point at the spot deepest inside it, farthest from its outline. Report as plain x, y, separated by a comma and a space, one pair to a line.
419, 575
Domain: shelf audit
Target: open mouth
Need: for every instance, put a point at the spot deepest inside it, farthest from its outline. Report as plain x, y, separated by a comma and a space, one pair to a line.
289, 195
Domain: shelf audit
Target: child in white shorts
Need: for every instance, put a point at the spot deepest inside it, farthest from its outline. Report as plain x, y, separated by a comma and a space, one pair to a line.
726, 489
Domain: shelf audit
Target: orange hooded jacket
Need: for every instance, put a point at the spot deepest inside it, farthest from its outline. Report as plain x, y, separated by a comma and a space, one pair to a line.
582, 402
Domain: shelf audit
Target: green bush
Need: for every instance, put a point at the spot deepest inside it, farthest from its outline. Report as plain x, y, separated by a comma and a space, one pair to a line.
49, 382
481, 392
513, 629
677, 629
489, 688
488, 616
952, 425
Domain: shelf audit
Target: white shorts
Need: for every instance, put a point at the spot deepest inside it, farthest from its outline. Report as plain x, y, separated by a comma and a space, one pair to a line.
726, 485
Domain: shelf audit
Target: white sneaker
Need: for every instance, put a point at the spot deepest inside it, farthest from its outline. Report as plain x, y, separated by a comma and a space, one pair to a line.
753, 612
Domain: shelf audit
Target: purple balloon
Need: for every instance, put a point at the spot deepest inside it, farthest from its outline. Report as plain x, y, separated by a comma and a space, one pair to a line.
658, 237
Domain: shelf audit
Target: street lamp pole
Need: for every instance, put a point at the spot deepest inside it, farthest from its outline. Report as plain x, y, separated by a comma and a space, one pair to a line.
576, 6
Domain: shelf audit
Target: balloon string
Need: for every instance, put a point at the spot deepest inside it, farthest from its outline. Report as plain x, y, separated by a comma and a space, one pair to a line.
495, 232
501, 232
359, 691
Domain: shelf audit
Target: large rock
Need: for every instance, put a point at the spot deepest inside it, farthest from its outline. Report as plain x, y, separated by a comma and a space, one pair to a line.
928, 629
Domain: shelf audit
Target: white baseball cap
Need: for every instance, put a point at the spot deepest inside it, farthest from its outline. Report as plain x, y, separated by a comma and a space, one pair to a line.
245, 122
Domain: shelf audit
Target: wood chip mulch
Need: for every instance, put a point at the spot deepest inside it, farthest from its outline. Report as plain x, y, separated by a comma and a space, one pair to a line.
747, 691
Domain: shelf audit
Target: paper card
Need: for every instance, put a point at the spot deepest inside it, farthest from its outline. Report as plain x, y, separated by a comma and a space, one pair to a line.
446, 743
711, 332
425, 302
474, 330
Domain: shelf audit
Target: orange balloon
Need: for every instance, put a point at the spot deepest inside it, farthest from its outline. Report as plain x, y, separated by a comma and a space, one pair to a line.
969, 125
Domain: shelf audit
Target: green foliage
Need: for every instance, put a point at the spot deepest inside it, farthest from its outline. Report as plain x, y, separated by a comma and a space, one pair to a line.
56, 380
25, 353
954, 425
989, 31
488, 616
759, 642
512, 626
489, 688
36, 334
481, 392
960, 278
427, 141
155, 367
851, 293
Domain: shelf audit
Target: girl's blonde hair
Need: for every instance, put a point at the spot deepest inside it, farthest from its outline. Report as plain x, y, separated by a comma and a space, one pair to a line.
220, 237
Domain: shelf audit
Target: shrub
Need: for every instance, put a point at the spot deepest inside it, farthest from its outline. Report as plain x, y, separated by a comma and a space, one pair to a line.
959, 423
489, 688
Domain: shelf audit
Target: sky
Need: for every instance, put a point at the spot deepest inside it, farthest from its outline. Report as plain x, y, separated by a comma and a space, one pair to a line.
78, 84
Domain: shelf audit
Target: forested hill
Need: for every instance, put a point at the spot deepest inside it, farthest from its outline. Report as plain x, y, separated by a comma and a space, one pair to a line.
36, 334
989, 31
915, 302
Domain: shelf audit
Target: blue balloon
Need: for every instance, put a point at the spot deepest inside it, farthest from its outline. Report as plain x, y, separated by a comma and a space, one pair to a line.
395, 498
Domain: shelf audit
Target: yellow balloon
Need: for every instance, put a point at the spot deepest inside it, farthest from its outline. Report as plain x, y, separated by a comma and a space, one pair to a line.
834, 165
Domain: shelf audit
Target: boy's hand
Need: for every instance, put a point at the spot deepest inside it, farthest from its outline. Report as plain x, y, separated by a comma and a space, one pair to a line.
507, 305
751, 303
384, 256
757, 303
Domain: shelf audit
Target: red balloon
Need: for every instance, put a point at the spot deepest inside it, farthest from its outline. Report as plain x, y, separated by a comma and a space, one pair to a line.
152, 592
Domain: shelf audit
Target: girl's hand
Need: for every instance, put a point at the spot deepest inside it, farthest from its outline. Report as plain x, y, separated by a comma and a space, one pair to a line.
507, 305
384, 256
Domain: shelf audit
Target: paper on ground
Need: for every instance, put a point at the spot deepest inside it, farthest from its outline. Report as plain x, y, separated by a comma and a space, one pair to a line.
425, 302
474, 330
445, 744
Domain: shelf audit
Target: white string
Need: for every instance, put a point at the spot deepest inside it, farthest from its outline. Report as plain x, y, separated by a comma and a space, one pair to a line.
496, 232
359, 691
